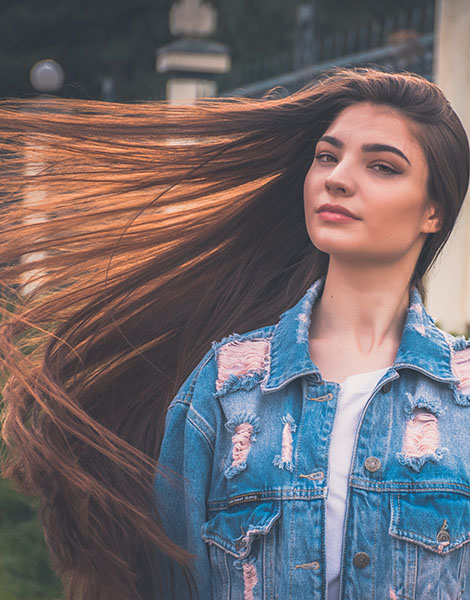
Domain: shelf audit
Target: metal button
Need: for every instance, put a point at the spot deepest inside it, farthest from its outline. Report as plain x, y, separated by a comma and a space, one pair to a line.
361, 560
372, 464
443, 537
387, 387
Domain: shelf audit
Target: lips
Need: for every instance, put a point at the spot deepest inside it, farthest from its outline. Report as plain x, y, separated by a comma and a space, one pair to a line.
336, 208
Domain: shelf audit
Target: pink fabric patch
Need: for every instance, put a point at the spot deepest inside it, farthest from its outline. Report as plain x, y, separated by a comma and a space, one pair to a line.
286, 452
240, 357
421, 435
241, 441
250, 579
393, 596
461, 367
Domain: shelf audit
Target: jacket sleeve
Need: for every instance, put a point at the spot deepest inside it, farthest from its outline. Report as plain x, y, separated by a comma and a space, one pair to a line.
184, 472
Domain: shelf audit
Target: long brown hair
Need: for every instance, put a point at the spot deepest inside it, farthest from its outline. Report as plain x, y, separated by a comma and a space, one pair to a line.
133, 235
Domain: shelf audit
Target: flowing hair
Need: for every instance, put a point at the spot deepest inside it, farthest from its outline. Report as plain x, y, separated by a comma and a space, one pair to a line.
132, 236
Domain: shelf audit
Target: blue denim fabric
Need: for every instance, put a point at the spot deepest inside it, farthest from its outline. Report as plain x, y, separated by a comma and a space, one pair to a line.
257, 528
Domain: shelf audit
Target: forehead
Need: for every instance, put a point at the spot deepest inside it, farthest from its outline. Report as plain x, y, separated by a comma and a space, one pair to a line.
370, 123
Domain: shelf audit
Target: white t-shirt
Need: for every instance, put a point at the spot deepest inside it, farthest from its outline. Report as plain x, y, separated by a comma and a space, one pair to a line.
355, 391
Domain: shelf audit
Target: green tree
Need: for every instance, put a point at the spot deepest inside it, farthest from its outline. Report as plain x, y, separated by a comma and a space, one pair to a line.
25, 572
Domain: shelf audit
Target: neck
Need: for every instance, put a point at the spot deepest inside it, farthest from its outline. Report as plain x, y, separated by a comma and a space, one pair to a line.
364, 307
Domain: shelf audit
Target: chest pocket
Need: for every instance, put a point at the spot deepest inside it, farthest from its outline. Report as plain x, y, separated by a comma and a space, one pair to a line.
242, 540
431, 556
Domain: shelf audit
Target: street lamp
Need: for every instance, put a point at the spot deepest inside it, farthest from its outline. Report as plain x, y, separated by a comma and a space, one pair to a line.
46, 76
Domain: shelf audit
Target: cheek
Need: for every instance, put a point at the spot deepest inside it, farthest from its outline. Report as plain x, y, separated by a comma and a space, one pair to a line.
310, 185
398, 220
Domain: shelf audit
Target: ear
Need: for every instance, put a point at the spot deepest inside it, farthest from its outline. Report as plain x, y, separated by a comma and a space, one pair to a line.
433, 218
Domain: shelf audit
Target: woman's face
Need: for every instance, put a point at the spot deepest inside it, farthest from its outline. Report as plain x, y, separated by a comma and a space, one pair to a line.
369, 163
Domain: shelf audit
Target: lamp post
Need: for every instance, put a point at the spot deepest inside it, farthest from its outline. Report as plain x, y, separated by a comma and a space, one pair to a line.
46, 77
192, 61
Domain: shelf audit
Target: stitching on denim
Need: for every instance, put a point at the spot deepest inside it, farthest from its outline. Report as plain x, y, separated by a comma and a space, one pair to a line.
176, 401
315, 565
321, 398
197, 418
284, 460
418, 487
202, 432
209, 355
425, 542
376, 530
316, 476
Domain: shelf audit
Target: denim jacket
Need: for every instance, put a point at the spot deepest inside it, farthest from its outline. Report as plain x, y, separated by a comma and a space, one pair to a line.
248, 437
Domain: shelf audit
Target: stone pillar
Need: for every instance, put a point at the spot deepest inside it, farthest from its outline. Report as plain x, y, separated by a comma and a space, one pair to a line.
192, 61
449, 281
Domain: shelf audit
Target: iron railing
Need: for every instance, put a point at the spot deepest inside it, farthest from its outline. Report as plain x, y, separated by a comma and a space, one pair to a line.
401, 41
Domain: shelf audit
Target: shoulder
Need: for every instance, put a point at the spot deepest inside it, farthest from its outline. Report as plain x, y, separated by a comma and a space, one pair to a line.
237, 362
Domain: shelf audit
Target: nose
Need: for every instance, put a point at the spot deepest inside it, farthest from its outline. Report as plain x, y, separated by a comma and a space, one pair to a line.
340, 181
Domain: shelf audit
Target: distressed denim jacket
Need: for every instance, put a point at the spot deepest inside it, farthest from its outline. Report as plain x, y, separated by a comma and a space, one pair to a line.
249, 434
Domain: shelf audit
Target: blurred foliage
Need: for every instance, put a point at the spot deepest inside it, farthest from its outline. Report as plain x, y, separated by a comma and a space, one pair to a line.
94, 39
25, 573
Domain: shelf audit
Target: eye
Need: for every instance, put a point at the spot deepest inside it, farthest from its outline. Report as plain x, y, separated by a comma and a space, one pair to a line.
385, 169
325, 157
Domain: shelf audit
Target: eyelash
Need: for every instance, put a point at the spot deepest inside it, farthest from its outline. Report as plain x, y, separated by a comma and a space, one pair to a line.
388, 170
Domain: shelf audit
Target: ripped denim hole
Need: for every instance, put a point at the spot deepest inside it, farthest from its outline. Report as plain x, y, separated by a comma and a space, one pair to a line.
461, 369
421, 440
243, 428
250, 579
241, 364
284, 460
431, 404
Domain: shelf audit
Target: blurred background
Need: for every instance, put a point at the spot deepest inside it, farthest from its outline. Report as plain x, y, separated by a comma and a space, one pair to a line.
107, 50
134, 50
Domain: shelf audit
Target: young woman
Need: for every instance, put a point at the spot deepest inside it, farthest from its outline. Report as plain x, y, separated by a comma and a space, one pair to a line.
318, 453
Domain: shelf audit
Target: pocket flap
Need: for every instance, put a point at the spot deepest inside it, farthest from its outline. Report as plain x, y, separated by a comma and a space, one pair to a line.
234, 529
438, 521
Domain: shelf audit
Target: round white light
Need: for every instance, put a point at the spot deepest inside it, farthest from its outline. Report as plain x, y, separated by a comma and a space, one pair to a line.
46, 76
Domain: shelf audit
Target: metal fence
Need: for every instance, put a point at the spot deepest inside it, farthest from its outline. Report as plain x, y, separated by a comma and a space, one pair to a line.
417, 58
401, 41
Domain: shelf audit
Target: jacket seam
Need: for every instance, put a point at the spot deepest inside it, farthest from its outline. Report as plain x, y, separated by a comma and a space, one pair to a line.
200, 426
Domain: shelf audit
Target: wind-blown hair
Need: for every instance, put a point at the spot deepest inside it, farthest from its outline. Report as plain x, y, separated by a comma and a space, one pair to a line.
131, 237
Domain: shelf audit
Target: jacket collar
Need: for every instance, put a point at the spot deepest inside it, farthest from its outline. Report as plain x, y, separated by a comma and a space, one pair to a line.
423, 346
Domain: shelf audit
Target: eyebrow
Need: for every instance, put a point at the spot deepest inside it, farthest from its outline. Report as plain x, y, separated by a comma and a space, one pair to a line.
366, 147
